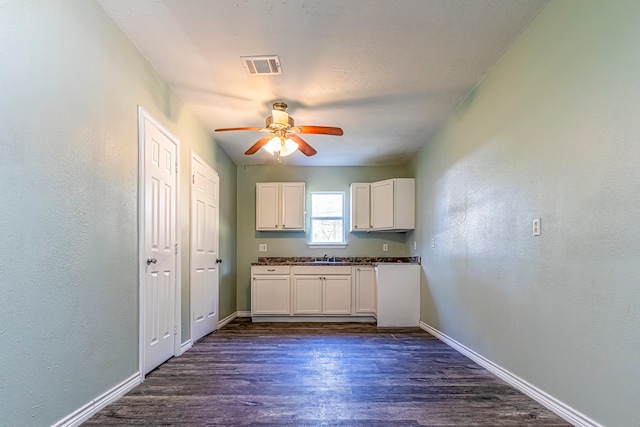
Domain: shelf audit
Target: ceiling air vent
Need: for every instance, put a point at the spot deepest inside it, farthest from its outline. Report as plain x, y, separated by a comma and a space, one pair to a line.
262, 65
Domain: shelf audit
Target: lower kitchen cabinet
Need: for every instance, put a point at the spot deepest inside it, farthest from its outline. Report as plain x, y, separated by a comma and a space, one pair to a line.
336, 291
337, 295
322, 295
307, 294
365, 290
270, 290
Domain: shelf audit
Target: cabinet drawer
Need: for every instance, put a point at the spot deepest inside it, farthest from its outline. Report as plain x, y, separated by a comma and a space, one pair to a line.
270, 269
322, 269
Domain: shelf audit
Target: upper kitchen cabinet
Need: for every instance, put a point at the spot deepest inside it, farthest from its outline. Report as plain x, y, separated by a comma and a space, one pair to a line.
360, 206
393, 205
280, 206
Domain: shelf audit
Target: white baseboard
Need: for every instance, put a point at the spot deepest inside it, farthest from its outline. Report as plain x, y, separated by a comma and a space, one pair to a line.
306, 319
244, 313
227, 319
88, 410
565, 411
186, 346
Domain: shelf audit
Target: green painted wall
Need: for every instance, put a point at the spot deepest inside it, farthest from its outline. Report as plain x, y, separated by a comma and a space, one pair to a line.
71, 83
552, 132
295, 243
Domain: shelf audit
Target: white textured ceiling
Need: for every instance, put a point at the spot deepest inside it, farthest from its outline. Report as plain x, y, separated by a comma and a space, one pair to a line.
386, 71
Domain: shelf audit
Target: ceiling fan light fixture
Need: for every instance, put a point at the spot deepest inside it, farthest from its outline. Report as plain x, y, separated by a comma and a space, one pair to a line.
285, 147
280, 117
284, 138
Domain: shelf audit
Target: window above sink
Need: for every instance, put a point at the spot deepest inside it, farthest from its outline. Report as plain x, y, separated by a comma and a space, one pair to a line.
327, 220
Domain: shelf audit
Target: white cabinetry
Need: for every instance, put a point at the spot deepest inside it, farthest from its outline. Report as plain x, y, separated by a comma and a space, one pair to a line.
337, 295
322, 290
393, 204
365, 290
270, 290
280, 206
398, 294
389, 292
360, 206
307, 294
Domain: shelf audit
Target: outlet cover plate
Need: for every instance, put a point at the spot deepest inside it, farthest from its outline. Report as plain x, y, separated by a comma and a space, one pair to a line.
537, 230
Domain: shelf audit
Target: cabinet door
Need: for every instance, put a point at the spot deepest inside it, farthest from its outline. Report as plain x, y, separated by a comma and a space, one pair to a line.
337, 295
307, 295
360, 206
270, 295
293, 206
267, 206
365, 290
382, 204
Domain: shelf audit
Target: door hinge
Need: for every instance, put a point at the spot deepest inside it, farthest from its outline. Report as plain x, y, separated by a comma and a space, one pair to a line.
176, 167
175, 249
193, 179
175, 330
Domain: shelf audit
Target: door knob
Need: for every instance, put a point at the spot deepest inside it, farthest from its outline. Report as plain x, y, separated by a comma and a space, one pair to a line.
218, 261
152, 261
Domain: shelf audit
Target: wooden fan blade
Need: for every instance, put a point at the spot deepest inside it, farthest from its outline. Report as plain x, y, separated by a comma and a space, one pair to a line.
226, 129
321, 130
305, 148
258, 145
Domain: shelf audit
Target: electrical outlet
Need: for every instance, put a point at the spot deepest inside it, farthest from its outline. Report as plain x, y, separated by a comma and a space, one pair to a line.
415, 245
433, 242
385, 247
262, 247
537, 230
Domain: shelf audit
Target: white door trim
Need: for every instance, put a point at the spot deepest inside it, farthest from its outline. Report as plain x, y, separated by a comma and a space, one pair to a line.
142, 256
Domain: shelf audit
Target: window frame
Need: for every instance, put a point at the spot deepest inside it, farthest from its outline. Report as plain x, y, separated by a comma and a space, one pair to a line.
341, 244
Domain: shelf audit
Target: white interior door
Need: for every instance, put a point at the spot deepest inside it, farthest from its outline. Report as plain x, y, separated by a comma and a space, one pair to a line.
204, 248
159, 280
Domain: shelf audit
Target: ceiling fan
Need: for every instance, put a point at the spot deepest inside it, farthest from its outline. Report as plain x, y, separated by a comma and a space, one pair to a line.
283, 136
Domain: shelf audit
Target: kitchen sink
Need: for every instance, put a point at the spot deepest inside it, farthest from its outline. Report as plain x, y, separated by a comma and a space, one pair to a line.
326, 262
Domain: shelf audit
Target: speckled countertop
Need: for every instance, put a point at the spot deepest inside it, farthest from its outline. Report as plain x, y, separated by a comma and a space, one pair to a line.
335, 260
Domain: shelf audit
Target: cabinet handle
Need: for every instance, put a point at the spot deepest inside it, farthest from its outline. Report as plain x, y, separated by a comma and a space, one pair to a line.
355, 226
271, 269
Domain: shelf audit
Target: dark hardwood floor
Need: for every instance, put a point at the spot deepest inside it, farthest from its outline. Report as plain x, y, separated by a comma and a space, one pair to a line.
310, 374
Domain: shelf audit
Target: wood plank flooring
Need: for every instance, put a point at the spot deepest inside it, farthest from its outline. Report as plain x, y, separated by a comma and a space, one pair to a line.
311, 374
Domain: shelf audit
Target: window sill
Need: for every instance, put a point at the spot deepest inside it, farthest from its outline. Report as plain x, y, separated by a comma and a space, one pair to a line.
340, 245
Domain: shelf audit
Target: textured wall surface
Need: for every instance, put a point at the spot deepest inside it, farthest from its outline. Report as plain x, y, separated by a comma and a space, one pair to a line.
551, 133
71, 83
292, 243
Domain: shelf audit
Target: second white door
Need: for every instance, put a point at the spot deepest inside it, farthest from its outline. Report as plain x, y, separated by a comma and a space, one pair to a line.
205, 258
